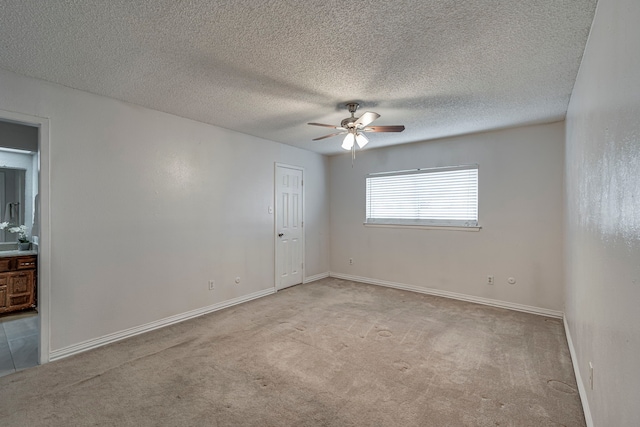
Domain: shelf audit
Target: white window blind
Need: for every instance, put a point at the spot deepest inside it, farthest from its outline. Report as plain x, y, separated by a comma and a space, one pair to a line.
432, 197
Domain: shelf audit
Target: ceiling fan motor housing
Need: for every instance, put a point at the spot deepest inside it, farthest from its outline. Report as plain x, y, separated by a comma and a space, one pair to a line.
349, 122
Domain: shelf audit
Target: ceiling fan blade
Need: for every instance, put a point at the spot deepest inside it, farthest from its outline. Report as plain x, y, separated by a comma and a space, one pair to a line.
366, 118
329, 136
398, 128
327, 126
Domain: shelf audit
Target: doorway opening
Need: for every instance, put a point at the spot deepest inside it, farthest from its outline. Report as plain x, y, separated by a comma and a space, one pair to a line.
19, 325
24, 232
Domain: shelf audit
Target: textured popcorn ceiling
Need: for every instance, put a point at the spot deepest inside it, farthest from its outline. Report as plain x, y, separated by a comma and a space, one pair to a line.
267, 67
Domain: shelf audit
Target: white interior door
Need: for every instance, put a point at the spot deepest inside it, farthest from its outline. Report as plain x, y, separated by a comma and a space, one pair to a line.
289, 226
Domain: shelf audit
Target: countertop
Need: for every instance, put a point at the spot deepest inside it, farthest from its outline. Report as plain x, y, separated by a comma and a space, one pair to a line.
4, 254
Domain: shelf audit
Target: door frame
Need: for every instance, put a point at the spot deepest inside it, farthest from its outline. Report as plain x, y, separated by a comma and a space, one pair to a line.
44, 239
275, 221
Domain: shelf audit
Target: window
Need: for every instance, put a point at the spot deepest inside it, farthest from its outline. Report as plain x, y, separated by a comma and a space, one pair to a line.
445, 197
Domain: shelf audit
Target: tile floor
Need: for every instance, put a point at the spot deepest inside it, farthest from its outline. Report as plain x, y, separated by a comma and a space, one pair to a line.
19, 338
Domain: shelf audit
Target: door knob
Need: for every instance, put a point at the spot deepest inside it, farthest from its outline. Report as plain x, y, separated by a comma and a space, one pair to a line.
280, 234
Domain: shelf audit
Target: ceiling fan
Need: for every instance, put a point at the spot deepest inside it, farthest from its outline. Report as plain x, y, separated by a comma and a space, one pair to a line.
355, 127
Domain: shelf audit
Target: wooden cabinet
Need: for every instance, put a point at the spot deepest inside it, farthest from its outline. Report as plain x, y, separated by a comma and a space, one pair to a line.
17, 282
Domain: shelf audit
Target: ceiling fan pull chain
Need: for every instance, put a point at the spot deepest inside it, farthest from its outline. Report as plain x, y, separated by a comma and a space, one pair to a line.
353, 154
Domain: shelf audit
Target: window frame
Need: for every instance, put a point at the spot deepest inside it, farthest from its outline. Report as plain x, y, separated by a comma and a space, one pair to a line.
439, 224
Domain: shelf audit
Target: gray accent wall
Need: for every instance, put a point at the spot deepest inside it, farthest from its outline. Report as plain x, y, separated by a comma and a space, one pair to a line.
18, 136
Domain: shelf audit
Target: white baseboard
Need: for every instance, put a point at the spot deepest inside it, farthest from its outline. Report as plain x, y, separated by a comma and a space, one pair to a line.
581, 388
117, 336
315, 277
453, 295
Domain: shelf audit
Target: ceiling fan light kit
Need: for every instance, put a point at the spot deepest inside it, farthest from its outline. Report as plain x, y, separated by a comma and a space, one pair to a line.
347, 144
354, 127
361, 140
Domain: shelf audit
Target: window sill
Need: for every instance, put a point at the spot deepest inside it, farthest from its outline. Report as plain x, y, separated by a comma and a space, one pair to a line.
424, 227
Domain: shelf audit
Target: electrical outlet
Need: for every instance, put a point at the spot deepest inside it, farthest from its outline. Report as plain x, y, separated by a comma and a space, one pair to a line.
350, 261
591, 375
212, 285
489, 280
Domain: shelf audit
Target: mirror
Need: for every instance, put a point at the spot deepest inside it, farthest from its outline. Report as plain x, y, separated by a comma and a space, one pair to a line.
18, 179
12, 200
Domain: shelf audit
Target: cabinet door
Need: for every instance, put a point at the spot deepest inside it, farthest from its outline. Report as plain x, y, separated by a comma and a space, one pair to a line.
21, 283
3, 298
20, 289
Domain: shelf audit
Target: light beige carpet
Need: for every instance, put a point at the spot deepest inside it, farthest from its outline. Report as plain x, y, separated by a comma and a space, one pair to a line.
329, 353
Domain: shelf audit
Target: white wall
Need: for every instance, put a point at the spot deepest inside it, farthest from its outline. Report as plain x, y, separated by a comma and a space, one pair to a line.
603, 214
146, 207
520, 211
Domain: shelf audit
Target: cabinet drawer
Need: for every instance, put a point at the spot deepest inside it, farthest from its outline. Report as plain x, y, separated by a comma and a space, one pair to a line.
20, 300
5, 264
24, 263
